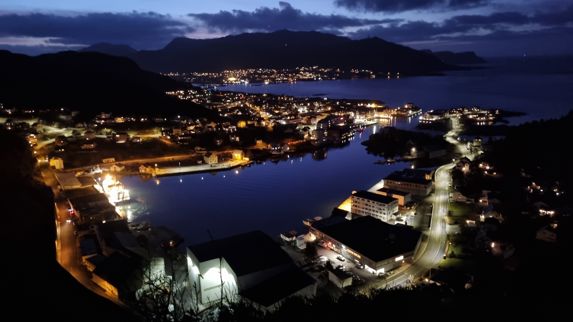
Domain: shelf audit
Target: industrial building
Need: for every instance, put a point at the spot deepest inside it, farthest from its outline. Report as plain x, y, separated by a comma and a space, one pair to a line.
249, 266
89, 206
379, 246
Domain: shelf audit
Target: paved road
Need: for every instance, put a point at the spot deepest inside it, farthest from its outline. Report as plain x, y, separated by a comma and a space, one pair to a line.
433, 245
67, 250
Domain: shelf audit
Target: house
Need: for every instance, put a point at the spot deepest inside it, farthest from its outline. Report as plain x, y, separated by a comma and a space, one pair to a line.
116, 168
237, 155
147, 169
249, 266
121, 137
57, 163
463, 164
211, 158
89, 134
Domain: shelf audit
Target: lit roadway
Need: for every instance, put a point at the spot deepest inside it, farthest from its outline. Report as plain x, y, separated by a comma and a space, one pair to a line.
433, 243
67, 250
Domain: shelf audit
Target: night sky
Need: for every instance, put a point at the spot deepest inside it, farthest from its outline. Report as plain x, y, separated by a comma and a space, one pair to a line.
489, 27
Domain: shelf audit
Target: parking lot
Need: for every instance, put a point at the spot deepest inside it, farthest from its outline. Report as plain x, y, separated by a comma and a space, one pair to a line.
347, 265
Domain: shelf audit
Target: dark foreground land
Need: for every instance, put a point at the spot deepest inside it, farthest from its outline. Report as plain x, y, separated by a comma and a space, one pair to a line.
36, 286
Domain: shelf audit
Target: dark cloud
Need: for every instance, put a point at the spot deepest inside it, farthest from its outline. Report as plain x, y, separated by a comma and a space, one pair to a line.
141, 30
284, 17
550, 41
404, 5
483, 31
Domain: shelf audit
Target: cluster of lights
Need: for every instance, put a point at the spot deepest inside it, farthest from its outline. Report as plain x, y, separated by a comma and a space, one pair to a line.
546, 212
114, 189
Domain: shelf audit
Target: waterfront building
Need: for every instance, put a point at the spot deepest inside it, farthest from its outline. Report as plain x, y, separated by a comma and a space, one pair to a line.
418, 182
403, 197
379, 246
366, 203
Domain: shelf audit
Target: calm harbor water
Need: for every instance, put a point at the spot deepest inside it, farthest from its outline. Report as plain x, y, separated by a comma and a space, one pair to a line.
276, 197
273, 197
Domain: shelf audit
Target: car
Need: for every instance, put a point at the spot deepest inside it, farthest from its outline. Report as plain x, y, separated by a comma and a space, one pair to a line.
340, 258
359, 266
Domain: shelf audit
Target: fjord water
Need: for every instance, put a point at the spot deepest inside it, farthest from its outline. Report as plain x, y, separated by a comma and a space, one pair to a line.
276, 197
272, 197
540, 88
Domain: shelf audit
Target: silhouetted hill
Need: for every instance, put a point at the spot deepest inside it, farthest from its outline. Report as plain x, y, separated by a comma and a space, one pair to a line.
89, 83
111, 49
462, 58
287, 49
40, 289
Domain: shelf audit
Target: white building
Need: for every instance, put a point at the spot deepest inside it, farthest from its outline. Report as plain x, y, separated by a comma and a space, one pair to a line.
248, 266
366, 203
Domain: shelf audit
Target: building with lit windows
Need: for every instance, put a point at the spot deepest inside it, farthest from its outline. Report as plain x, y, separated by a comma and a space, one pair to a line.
379, 246
366, 203
418, 182
403, 197
250, 267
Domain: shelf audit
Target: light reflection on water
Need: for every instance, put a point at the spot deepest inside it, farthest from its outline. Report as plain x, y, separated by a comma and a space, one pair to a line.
273, 196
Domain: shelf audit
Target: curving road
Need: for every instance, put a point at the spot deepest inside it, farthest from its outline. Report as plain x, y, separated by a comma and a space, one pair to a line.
432, 247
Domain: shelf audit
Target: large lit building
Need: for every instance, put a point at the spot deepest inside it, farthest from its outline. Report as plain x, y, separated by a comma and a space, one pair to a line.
417, 182
89, 206
403, 197
248, 266
379, 246
366, 203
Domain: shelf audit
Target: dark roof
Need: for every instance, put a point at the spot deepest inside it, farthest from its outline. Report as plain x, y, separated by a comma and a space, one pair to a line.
89, 245
394, 192
409, 175
116, 269
337, 212
98, 213
373, 196
87, 201
86, 181
373, 238
107, 232
96, 259
330, 221
75, 193
246, 253
278, 287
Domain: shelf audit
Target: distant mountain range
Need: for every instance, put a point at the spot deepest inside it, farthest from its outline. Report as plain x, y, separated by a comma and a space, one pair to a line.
462, 58
89, 83
281, 49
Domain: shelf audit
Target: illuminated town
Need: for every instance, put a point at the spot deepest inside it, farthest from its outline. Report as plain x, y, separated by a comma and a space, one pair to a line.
313, 161
272, 76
